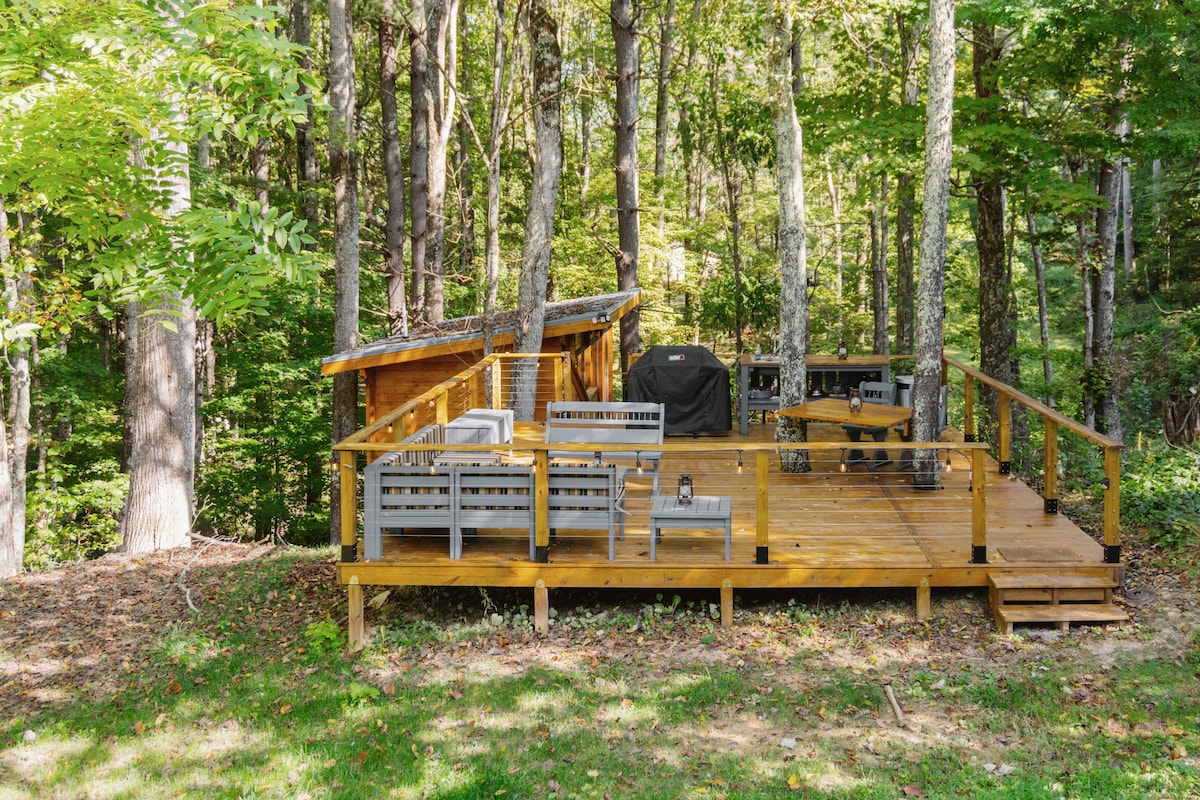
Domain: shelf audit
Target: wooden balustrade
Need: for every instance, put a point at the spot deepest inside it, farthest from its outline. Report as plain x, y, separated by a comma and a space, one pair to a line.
1053, 421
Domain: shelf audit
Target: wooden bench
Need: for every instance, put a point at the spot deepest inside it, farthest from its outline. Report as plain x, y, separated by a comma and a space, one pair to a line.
603, 424
405, 496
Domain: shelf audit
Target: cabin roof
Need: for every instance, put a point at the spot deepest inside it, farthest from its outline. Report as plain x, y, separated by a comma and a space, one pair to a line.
563, 317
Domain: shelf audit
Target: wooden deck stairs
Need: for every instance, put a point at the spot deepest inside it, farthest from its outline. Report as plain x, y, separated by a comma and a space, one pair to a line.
1049, 599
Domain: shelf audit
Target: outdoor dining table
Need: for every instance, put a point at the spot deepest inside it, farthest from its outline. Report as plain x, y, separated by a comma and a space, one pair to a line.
870, 415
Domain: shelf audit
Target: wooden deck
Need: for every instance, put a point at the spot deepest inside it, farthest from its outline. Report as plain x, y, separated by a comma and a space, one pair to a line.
827, 529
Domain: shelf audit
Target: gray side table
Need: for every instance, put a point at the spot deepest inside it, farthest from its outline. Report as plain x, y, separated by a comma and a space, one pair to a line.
702, 512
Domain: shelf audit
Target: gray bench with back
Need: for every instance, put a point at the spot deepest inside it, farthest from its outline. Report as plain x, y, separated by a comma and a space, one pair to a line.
601, 424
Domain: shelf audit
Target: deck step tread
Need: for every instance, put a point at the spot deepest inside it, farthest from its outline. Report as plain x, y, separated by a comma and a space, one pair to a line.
1033, 580
1067, 612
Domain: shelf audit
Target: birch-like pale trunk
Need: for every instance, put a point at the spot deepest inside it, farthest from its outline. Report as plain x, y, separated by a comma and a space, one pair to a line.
793, 245
501, 99
625, 159
931, 267
441, 94
307, 169
1039, 272
343, 166
880, 300
547, 157
393, 168
14, 418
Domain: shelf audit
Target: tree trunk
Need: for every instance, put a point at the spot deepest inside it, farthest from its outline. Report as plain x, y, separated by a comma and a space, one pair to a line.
343, 165
793, 245
625, 118
906, 189
661, 114
306, 150
879, 275
501, 98
14, 438
839, 253
547, 159
997, 328
1104, 375
441, 97
418, 152
1039, 270
393, 168
464, 169
935, 212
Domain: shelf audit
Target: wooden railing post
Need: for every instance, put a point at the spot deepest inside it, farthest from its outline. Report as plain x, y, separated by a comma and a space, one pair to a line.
348, 503
1050, 467
541, 508
559, 369
497, 383
762, 546
978, 506
1112, 505
1005, 431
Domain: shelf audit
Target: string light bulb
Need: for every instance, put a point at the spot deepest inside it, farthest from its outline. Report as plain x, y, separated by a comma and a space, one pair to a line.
640, 471
949, 468
842, 464
739, 464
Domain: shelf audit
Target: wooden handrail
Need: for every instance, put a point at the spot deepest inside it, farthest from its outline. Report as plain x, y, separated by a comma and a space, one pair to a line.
1053, 420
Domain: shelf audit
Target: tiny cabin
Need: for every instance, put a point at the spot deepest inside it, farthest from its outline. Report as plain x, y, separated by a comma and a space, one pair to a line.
398, 368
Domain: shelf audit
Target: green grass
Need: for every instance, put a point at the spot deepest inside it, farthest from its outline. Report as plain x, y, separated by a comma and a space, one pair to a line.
251, 699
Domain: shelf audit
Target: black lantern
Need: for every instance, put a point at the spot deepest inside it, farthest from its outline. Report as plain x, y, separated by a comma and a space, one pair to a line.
843, 352
685, 489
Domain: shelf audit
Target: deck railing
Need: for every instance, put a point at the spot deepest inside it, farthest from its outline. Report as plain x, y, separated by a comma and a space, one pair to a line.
1053, 422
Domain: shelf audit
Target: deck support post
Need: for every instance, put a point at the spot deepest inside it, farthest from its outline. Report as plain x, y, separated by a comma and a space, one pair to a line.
1050, 468
762, 503
1112, 504
978, 507
726, 603
924, 601
354, 597
541, 607
541, 507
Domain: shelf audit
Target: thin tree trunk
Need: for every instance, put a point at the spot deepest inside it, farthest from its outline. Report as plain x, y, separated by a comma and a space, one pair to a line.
931, 273
879, 275
502, 92
464, 169
15, 437
839, 252
585, 134
418, 153
661, 114
441, 98
1039, 269
906, 189
546, 58
793, 245
625, 118
343, 165
1108, 415
393, 168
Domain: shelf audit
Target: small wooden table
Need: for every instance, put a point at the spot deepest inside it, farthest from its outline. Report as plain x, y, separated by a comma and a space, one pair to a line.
702, 512
872, 415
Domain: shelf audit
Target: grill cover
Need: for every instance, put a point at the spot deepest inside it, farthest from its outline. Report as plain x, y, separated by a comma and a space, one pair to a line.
690, 382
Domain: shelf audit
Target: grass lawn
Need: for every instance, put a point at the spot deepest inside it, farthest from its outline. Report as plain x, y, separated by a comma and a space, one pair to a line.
112, 687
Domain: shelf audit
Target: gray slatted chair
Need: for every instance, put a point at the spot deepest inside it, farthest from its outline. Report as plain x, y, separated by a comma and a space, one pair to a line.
585, 498
491, 497
872, 392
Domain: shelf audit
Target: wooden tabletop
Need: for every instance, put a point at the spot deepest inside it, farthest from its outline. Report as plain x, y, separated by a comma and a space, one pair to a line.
837, 409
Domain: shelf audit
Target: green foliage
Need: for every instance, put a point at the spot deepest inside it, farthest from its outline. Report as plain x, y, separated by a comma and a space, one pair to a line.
324, 638
1160, 493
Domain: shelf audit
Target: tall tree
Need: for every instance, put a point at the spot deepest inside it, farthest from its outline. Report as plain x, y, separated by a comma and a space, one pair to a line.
547, 161
909, 31
666, 39
343, 167
793, 243
393, 167
16, 339
997, 323
625, 123
935, 213
418, 151
501, 97
441, 98
308, 170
